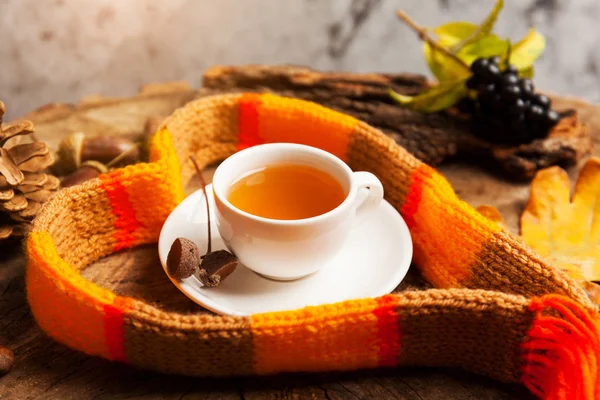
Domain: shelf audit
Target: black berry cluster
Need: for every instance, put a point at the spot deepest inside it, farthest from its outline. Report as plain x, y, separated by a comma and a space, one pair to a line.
507, 109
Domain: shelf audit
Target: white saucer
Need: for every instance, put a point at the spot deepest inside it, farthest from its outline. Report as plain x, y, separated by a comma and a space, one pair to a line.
374, 260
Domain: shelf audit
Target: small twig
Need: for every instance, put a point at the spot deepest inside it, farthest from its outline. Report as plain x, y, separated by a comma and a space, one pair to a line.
203, 182
422, 33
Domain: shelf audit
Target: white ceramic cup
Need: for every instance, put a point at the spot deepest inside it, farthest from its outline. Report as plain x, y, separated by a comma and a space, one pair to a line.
290, 249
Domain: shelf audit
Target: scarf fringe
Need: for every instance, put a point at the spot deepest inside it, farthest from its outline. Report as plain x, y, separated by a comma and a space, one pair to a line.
560, 353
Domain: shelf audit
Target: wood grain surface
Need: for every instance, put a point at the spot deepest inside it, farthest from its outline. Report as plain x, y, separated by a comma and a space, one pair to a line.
45, 369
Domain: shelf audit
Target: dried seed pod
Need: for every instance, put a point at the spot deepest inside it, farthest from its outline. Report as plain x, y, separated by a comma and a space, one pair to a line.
106, 149
37, 162
13, 229
22, 153
183, 259
77, 148
17, 203
29, 212
51, 183
14, 129
23, 183
9, 170
215, 267
5, 231
40, 196
88, 170
69, 153
6, 194
30, 178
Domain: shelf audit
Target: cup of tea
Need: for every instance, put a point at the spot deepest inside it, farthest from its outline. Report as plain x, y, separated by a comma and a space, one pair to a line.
285, 209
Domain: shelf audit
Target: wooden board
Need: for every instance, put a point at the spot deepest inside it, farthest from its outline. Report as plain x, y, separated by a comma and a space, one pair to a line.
47, 370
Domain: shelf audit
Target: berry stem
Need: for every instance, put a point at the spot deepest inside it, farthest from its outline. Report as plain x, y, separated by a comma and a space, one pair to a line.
203, 183
422, 33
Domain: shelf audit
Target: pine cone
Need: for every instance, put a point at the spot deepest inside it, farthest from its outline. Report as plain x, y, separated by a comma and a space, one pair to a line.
24, 187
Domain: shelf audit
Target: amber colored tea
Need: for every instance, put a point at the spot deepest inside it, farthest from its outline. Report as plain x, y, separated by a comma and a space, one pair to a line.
287, 192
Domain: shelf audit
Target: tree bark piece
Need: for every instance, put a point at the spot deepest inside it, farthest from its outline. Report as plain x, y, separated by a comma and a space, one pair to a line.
431, 137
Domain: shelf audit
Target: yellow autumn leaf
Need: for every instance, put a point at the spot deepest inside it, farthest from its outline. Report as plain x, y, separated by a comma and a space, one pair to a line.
436, 98
527, 50
565, 230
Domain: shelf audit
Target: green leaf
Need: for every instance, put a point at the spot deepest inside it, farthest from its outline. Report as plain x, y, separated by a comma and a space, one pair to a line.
527, 50
434, 99
452, 33
444, 68
487, 46
468, 41
484, 29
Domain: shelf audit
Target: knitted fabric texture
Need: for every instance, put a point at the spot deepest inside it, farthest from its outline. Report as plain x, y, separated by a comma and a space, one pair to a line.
499, 309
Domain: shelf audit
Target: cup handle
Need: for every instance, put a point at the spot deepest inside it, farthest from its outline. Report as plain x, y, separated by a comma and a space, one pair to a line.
371, 195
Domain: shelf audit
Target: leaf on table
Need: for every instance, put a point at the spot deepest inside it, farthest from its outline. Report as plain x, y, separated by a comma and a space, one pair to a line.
565, 230
436, 98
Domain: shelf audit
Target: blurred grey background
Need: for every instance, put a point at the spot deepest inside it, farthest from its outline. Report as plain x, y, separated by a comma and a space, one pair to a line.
60, 50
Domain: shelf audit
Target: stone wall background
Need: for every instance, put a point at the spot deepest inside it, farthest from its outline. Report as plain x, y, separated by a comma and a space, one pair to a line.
60, 50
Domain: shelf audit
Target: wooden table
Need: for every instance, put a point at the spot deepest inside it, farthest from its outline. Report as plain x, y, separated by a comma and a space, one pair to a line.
45, 369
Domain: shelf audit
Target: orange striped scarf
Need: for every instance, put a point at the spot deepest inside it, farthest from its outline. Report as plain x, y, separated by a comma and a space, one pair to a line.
499, 310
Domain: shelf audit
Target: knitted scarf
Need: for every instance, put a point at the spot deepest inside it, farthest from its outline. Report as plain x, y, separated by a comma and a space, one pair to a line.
498, 308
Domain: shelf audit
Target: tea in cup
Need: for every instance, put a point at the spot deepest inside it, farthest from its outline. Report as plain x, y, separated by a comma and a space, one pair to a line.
285, 209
